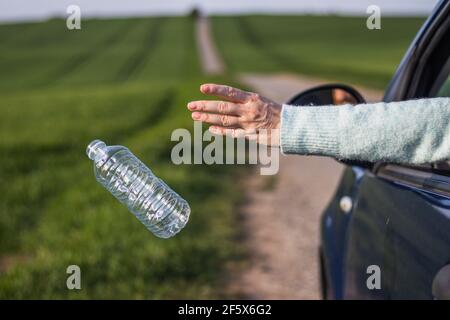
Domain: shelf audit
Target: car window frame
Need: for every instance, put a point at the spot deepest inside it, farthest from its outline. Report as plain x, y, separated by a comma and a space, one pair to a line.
429, 72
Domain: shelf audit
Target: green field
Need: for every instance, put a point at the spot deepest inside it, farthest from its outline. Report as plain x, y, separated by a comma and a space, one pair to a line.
127, 81
336, 48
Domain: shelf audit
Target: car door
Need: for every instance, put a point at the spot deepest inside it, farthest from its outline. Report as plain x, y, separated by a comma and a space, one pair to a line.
398, 237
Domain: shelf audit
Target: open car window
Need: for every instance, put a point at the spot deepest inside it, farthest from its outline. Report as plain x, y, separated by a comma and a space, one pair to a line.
441, 83
444, 91
431, 75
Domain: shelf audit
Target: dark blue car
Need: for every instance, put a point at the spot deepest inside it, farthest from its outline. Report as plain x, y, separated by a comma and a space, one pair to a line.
386, 232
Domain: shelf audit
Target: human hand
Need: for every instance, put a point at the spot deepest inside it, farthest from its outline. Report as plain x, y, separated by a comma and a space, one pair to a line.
242, 114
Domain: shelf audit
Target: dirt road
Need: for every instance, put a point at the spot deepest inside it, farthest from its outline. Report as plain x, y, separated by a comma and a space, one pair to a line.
281, 214
209, 57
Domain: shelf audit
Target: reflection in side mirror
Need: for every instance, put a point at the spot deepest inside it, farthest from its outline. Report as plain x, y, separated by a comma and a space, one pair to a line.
331, 94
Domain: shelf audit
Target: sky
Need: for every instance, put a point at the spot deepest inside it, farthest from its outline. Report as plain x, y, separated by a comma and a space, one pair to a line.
18, 10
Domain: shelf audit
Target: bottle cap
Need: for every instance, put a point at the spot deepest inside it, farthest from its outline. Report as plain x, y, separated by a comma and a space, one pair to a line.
95, 149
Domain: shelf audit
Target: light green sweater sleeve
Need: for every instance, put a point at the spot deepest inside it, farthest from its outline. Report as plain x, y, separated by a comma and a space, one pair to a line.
414, 132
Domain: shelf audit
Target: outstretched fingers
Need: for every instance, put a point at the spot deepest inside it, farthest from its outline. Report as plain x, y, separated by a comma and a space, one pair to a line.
221, 107
218, 119
226, 92
232, 132
250, 134
225, 114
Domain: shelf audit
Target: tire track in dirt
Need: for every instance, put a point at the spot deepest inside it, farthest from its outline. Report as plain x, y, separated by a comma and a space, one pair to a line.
254, 40
79, 60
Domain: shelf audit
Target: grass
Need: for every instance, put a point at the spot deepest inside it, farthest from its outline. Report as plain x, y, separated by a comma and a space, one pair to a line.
125, 82
336, 48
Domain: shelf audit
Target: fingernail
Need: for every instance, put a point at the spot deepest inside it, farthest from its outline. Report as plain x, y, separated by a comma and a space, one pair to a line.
191, 106
196, 115
204, 88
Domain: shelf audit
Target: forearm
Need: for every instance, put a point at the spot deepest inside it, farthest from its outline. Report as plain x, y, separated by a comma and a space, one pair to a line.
416, 131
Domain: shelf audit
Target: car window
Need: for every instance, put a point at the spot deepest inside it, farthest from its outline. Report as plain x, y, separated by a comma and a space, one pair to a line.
444, 91
430, 77
441, 82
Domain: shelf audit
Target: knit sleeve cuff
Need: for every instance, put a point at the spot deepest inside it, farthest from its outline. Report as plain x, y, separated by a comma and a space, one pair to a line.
310, 130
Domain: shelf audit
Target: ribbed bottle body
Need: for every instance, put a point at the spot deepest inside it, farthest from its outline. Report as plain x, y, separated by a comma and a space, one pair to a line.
152, 201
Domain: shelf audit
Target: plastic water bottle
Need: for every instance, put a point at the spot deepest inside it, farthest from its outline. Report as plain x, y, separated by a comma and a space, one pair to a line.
157, 206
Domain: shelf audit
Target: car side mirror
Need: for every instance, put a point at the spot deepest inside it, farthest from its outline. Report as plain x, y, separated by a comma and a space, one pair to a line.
329, 94
335, 95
